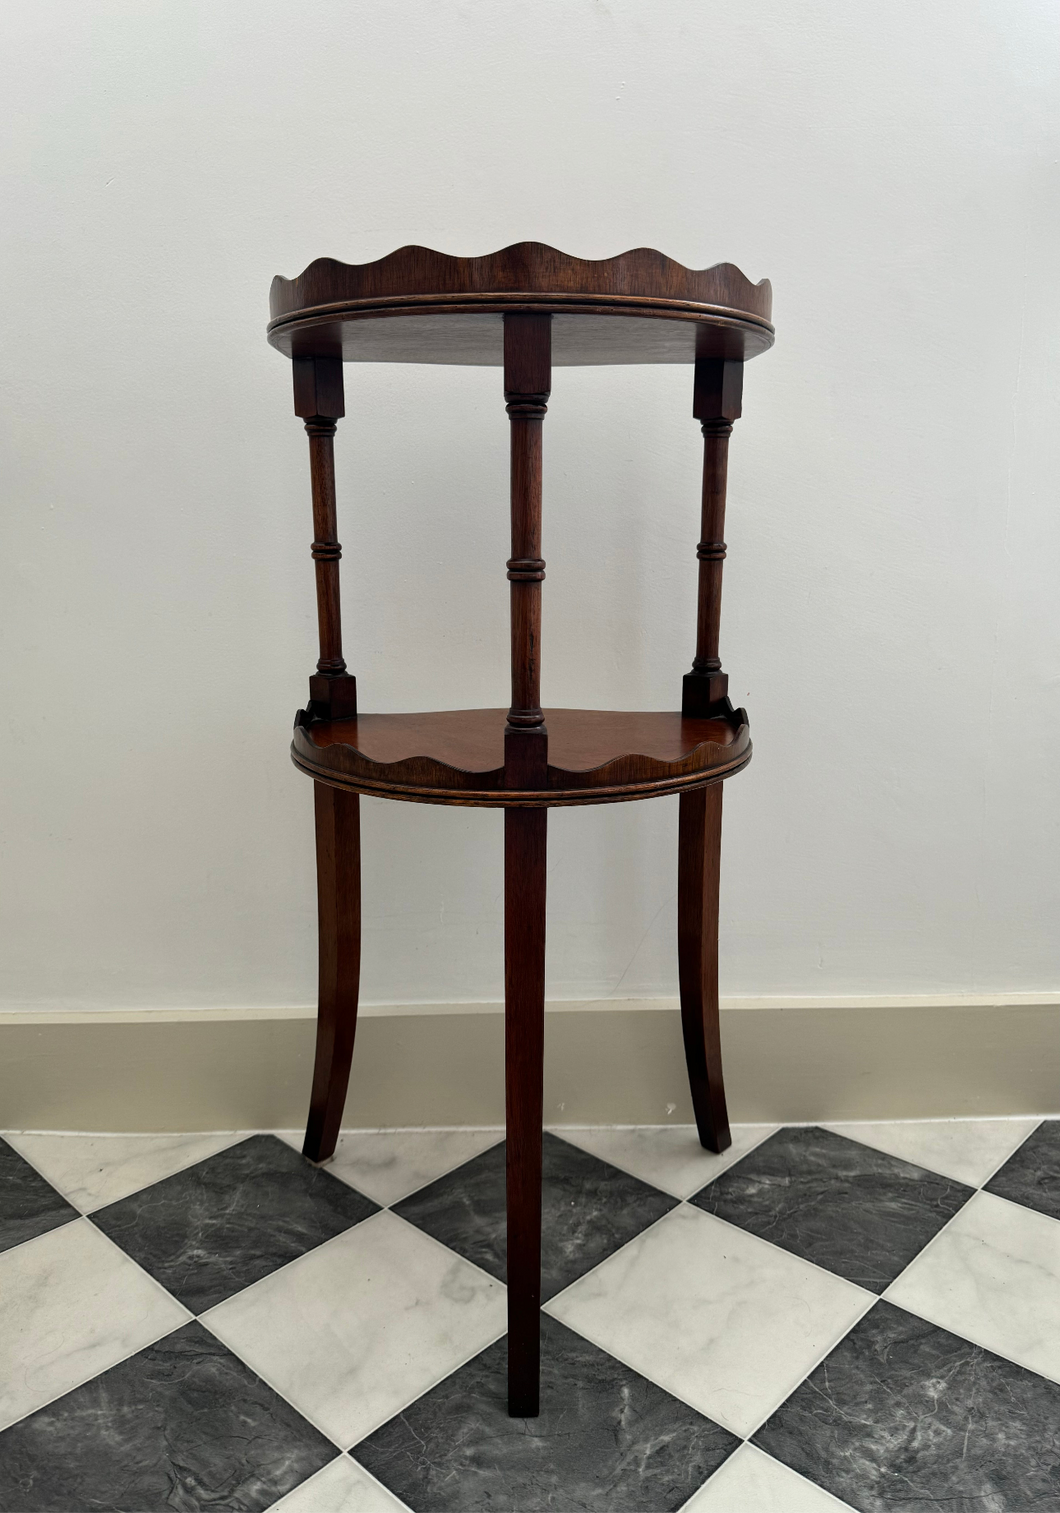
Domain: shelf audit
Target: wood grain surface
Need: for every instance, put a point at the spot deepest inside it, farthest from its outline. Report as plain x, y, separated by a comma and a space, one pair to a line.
457, 755
419, 305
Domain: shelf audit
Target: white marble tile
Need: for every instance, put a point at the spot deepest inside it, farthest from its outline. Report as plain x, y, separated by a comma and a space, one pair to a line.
751, 1482
341, 1487
723, 1320
993, 1277
94, 1170
969, 1150
668, 1156
388, 1165
353, 1331
71, 1304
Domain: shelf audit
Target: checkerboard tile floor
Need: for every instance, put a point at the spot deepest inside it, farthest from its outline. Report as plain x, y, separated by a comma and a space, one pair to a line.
862, 1317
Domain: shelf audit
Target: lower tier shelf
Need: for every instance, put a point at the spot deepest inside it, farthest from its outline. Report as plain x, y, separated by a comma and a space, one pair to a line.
456, 756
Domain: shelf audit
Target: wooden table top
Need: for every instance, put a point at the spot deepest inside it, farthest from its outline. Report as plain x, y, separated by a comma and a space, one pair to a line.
456, 756
421, 306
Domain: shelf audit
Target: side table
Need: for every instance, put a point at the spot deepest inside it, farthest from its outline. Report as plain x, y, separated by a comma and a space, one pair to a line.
524, 309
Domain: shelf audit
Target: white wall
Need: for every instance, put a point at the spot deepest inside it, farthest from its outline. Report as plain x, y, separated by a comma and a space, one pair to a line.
891, 594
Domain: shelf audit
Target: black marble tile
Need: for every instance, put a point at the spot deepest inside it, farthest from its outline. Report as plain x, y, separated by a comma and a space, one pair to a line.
1031, 1175
606, 1439
588, 1209
212, 1229
184, 1425
904, 1417
851, 1209
29, 1205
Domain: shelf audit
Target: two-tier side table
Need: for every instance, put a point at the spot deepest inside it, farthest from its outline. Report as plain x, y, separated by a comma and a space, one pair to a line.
523, 309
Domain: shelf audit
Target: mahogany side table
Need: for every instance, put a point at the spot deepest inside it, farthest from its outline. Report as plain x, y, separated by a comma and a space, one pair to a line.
523, 309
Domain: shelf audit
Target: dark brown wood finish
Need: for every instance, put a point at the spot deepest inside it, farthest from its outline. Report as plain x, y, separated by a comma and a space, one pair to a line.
338, 827
527, 384
698, 877
318, 397
524, 1040
418, 305
457, 756
528, 307
716, 403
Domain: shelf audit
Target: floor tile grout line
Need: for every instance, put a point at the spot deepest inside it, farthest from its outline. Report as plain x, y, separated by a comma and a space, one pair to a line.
341, 1455
132, 1259
862, 1316
100, 1206
681, 1198
89, 1218
294, 1261
942, 1175
817, 1487
443, 1377
426, 1234
949, 1328
302, 1414
191, 1319
882, 1296
79, 1217
614, 1165
841, 1506
1015, 1152
791, 1254
201, 1319
238, 1140
832, 1127
661, 1192
670, 1391
447, 1173
1013, 1203
678, 1203
605, 1161
938, 1236
35, 1168
345, 1449
975, 1344
871, 1300
11, 1249
86, 1213
403, 1506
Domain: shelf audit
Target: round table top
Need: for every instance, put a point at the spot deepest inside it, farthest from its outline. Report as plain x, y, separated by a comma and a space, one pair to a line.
420, 306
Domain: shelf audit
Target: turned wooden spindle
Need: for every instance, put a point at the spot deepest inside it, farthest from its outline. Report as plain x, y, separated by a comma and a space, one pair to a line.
318, 399
527, 384
716, 404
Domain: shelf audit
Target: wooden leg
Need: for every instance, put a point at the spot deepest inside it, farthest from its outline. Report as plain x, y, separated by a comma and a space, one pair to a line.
698, 876
338, 824
525, 833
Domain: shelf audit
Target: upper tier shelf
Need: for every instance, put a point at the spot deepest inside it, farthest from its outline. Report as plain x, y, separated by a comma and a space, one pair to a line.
456, 756
420, 306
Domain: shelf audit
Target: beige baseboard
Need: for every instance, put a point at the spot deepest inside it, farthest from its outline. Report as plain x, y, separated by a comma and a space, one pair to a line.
826, 1060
